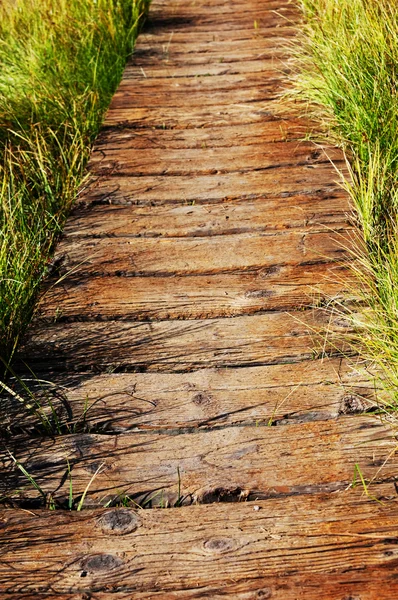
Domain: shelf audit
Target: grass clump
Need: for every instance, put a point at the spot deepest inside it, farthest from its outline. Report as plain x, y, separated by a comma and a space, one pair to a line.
347, 74
60, 63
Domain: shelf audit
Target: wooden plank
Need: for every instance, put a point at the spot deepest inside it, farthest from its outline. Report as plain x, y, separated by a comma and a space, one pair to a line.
273, 63
126, 98
232, 217
282, 182
269, 20
372, 583
204, 466
269, 338
182, 44
251, 77
236, 10
221, 16
287, 549
288, 394
167, 67
172, 256
163, 7
288, 287
151, 34
266, 65
209, 160
192, 116
278, 129
264, 50
189, 22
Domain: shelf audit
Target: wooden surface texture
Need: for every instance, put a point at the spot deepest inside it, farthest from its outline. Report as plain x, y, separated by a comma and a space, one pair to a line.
209, 551
197, 394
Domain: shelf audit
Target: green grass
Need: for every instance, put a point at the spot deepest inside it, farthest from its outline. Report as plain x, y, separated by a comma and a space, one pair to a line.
347, 68
60, 63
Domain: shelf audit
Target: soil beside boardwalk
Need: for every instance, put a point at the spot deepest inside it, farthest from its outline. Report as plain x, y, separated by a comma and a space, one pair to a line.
180, 347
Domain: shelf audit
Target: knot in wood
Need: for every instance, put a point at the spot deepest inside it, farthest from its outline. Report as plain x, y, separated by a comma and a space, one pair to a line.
202, 399
351, 404
119, 521
269, 272
218, 545
264, 594
259, 293
99, 563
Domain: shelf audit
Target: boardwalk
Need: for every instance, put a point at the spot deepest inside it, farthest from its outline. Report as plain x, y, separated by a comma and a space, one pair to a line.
190, 387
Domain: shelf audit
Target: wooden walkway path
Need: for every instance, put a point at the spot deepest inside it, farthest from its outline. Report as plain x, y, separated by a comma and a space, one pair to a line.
181, 343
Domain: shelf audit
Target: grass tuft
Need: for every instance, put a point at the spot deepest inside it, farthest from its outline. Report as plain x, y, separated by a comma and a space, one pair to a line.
60, 63
347, 68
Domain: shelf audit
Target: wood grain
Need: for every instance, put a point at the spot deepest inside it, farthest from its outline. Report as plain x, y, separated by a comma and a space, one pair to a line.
287, 549
277, 288
205, 466
269, 338
177, 256
283, 394
128, 138
272, 8
209, 160
281, 182
277, 38
265, 47
168, 67
202, 220
227, 82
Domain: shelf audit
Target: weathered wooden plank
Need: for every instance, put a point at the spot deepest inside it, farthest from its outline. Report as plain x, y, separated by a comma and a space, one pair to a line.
268, 68
202, 161
367, 584
182, 43
162, 6
204, 466
267, 19
252, 65
214, 15
288, 394
279, 36
283, 182
202, 220
167, 67
286, 549
265, 67
219, 9
288, 287
268, 338
186, 20
126, 99
160, 54
172, 256
370, 583
192, 116
277, 129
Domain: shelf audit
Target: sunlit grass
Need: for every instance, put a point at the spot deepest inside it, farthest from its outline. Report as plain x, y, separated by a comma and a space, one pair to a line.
347, 59
60, 63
